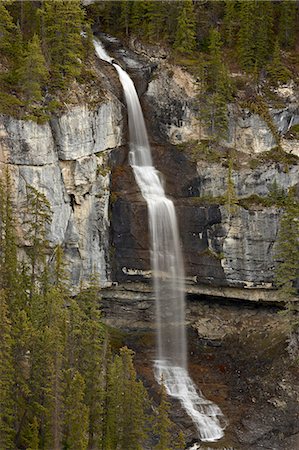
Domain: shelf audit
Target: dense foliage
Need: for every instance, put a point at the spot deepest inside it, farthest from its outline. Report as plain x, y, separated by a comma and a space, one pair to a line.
43, 49
287, 268
61, 384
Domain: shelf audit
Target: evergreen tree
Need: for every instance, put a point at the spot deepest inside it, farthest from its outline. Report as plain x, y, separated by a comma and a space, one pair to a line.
125, 15
33, 72
88, 42
185, 39
215, 90
32, 440
48, 316
246, 36
135, 402
90, 358
157, 18
264, 32
7, 432
8, 252
230, 22
7, 29
113, 410
287, 23
26, 14
38, 217
138, 21
287, 269
76, 413
277, 71
63, 25
163, 424
126, 421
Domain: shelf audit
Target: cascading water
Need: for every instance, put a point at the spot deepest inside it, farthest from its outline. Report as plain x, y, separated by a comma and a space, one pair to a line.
168, 272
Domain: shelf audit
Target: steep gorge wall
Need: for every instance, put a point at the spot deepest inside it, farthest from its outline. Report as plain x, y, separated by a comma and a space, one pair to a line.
79, 161
67, 160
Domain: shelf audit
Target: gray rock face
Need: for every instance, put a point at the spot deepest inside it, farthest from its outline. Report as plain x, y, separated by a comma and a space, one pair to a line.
248, 132
82, 132
67, 160
213, 179
26, 143
246, 241
170, 96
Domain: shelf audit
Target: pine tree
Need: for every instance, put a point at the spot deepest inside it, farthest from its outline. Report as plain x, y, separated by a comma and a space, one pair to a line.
135, 402
125, 15
26, 14
63, 25
138, 21
7, 28
287, 23
32, 440
163, 424
215, 90
113, 409
127, 401
90, 360
230, 22
287, 269
33, 72
8, 255
157, 21
48, 315
76, 412
277, 71
38, 218
185, 39
264, 33
246, 36
7, 431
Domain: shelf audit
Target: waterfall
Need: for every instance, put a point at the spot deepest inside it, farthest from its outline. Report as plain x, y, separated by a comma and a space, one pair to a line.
168, 272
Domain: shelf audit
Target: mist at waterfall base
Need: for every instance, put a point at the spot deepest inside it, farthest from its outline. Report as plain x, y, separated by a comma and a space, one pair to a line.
168, 272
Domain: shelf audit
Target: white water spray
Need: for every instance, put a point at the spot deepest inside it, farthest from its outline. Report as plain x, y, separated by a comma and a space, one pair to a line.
168, 272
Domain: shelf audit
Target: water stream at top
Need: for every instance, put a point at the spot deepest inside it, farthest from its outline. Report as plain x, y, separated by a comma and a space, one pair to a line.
168, 272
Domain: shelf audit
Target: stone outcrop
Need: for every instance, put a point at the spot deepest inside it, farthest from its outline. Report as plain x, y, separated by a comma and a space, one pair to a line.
79, 161
67, 160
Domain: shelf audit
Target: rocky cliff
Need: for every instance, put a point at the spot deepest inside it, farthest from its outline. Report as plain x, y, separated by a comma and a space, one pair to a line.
79, 161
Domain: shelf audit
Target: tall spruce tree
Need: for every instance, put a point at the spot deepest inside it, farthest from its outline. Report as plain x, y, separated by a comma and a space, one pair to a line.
215, 90
7, 379
63, 25
287, 269
264, 36
185, 38
90, 362
33, 72
7, 29
163, 424
76, 412
230, 22
276, 70
126, 416
287, 23
246, 35
38, 218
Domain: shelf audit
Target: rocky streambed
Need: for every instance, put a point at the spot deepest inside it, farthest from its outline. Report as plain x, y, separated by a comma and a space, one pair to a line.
237, 357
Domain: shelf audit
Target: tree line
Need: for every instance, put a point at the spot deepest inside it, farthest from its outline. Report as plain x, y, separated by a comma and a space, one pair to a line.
249, 26
62, 384
42, 49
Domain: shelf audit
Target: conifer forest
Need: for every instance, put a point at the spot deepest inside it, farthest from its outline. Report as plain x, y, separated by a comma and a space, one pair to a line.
90, 359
